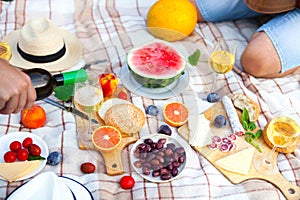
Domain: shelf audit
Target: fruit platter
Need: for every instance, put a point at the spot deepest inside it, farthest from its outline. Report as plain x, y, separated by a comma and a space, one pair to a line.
23, 155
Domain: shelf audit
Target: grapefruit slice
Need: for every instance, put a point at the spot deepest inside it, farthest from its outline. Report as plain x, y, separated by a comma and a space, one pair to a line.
175, 114
106, 138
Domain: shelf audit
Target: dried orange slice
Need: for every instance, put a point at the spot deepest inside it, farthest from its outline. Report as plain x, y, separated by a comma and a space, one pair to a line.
175, 114
5, 51
106, 138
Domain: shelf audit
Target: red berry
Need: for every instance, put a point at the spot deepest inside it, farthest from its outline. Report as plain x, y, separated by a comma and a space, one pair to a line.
87, 167
127, 182
22, 155
26, 142
15, 146
10, 157
122, 95
34, 150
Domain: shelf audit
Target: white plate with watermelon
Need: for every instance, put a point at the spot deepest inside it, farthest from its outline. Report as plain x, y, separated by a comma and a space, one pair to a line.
154, 93
155, 70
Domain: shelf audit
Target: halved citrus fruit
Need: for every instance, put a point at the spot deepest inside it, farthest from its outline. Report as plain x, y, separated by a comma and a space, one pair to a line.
175, 114
106, 138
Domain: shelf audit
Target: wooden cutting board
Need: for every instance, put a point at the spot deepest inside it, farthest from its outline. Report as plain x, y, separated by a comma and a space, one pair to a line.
112, 159
289, 190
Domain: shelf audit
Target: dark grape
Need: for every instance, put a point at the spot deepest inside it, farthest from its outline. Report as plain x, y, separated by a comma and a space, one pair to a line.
220, 121
213, 97
54, 158
165, 129
152, 110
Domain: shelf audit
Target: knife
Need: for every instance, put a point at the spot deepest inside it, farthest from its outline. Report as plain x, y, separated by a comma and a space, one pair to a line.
88, 65
70, 109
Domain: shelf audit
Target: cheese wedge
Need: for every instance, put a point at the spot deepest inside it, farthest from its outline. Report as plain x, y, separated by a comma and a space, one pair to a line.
239, 162
16, 170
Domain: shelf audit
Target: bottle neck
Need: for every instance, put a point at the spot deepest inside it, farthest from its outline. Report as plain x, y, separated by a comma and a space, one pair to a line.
72, 77
59, 79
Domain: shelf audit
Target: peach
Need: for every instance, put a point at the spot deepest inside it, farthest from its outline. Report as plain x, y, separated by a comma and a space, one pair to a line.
109, 83
33, 117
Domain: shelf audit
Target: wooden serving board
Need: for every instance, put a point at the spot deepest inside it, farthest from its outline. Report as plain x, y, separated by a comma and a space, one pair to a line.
289, 190
112, 159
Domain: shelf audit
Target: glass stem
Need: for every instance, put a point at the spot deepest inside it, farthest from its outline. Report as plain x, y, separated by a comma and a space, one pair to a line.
90, 123
268, 159
212, 89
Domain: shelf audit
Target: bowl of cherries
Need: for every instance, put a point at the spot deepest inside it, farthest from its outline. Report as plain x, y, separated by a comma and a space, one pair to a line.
158, 158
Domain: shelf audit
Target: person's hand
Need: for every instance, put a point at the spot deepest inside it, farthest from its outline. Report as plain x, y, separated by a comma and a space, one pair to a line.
16, 89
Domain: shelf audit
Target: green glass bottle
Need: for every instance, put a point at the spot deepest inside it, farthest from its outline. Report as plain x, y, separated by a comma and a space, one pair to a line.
44, 82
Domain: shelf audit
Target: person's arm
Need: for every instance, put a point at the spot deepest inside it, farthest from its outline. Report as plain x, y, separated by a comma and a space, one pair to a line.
16, 89
199, 16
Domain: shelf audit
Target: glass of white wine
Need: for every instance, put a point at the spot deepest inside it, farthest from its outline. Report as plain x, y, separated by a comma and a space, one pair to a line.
88, 97
282, 132
222, 59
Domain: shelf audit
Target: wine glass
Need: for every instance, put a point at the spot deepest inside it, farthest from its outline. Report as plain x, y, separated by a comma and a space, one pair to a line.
88, 97
282, 132
222, 59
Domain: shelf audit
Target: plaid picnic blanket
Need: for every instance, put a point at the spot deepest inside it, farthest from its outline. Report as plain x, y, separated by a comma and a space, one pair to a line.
107, 29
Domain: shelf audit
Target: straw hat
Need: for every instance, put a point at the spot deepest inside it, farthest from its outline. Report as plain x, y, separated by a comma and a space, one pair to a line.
271, 6
40, 43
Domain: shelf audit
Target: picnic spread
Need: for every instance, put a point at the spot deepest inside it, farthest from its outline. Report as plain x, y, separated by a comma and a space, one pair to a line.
108, 30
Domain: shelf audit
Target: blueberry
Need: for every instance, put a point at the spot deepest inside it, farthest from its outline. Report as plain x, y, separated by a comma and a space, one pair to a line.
213, 97
54, 158
220, 121
152, 110
165, 129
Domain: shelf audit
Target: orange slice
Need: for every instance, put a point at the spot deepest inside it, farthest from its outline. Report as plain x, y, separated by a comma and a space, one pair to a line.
106, 138
175, 114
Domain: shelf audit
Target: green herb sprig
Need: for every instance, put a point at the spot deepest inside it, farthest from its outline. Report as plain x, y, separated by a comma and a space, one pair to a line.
31, 157
64, 92
194, 58
250, 137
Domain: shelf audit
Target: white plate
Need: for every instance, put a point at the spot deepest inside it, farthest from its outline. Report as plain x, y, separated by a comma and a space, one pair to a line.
154, 93
20, 136
78, 189
155, 138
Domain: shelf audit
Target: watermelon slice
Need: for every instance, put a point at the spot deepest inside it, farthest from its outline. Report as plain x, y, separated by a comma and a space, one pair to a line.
156, 64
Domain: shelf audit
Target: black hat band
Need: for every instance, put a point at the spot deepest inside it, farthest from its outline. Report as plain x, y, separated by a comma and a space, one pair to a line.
42, 59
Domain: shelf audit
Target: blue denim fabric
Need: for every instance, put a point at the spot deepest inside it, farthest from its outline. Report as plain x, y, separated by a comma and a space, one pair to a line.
284, 32
221, 10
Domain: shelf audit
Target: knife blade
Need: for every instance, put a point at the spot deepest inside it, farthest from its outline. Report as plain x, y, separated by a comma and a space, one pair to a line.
88, 65
70, 109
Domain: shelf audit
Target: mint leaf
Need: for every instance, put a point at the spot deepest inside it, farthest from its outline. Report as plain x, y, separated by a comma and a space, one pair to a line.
64, 92
245, 116
251, 126
31, 157
245, 125
258, 133
194, 58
